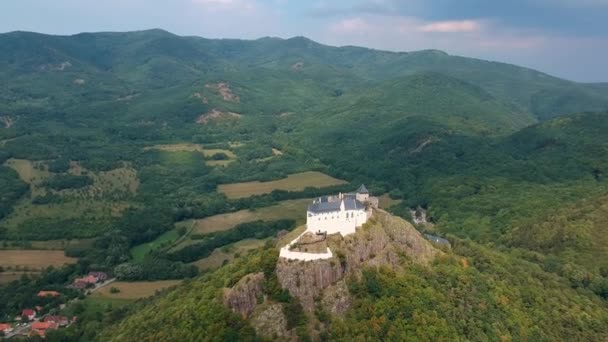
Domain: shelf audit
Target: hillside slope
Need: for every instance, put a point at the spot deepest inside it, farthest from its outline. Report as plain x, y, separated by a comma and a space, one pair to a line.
388, 282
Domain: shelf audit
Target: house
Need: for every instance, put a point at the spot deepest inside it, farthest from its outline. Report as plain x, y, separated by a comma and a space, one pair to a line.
48, 294
81, 283
338, 214
101, 276
59, 320
6, 328
29, 313
40, 328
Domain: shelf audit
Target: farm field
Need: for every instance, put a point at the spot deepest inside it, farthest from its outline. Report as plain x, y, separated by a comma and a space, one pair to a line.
294, 182
290, 209
140, 251
133, 290
33, 259
228, 253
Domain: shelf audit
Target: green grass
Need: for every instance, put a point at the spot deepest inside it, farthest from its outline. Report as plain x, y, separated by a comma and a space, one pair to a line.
139, 252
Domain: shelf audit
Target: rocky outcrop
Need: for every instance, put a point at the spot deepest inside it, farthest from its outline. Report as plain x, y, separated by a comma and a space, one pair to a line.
243, 297
269, 321
385, 240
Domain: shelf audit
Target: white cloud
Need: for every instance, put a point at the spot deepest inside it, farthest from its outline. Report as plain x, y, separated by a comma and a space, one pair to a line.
452, 26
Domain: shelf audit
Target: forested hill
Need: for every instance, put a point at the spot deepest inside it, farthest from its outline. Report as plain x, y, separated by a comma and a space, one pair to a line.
115, 64
147, 155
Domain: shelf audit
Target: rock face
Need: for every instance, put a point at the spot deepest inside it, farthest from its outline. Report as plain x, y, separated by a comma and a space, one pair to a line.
384, 241
243, 297
270, 321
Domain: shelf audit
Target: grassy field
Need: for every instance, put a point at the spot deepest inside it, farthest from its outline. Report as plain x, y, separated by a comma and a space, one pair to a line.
32, 259
294, 182
228, 253
133, 290
31, 173
291, 209
140, 251
189, 147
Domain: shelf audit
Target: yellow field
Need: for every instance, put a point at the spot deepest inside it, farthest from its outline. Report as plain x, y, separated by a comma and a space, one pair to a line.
295, 182
188, 147
33, 259
134, 290
219, 256
292, 209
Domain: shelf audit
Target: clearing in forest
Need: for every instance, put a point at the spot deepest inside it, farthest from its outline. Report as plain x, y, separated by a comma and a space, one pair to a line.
294, 182
189, 147
33, 259
133, 290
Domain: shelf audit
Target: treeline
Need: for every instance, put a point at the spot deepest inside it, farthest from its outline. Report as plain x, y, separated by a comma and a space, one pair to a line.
256, 230
12, 189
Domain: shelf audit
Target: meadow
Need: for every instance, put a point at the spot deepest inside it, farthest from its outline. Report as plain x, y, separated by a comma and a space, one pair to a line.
293, 182
139, 252
33, 259
207, 153
133, 290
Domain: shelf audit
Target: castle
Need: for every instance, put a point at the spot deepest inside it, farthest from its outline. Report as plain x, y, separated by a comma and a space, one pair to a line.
339, 214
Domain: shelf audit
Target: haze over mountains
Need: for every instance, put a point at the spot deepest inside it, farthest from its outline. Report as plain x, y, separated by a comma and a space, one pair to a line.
103, 137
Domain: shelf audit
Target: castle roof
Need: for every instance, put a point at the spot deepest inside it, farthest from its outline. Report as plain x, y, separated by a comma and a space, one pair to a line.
325, 204
362, 190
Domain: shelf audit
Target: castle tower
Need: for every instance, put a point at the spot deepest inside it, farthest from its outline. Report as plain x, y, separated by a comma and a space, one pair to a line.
362, 194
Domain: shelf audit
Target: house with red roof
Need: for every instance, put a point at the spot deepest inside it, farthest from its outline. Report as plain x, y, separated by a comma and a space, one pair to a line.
29, 313
40, 328
101, 276
48, 294
6, 328
59, 320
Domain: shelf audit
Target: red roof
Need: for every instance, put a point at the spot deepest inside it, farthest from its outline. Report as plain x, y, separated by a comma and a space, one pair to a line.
40, 328
44, 325
56, 319
5, 326
87, 279
48, 294
28, 312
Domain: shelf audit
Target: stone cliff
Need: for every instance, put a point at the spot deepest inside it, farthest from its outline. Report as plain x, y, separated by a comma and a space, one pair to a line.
384, 241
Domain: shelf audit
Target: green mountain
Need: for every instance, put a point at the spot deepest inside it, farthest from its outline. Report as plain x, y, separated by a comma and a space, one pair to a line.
117, 139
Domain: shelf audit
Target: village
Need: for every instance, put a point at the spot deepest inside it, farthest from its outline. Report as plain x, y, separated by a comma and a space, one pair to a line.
39, 319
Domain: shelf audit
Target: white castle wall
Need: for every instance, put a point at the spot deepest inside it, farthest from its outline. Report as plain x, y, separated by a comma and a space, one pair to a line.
287, 254
343, 222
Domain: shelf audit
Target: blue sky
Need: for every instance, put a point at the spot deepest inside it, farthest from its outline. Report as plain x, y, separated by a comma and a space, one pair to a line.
566, 38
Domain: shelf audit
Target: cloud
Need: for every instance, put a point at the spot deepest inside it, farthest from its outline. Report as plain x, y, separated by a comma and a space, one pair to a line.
452, 26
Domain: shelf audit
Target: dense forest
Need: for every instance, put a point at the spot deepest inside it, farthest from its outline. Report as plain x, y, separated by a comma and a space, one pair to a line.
118, 137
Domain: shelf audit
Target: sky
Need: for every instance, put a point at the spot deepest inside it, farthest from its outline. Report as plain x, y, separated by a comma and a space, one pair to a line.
565, 38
